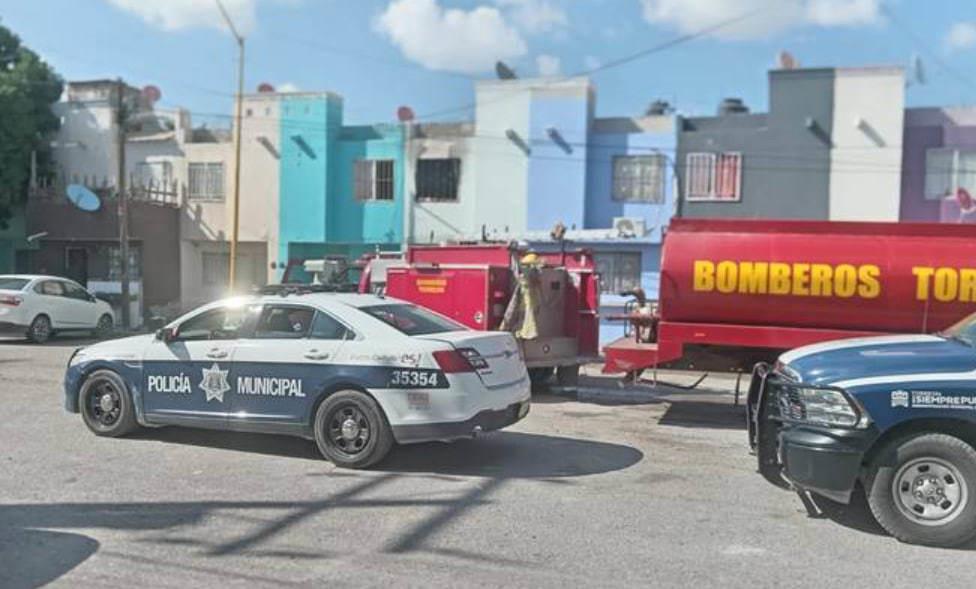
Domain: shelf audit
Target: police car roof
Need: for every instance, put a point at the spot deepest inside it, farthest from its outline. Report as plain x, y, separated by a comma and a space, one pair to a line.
345, 298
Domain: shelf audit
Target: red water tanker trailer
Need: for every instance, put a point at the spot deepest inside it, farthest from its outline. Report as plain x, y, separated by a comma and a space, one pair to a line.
746, 288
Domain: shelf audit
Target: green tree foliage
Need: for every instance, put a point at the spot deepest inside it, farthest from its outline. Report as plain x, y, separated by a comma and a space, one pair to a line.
28, 88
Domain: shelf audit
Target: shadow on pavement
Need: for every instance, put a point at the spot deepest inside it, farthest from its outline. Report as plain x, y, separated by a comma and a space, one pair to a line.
32, 558
687, 412
271, 445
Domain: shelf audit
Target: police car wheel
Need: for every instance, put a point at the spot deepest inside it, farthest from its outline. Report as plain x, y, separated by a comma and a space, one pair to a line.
923, 490
351, 430
106, 406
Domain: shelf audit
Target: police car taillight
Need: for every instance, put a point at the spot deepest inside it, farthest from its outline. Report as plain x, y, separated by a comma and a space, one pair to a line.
473, 358
451, 361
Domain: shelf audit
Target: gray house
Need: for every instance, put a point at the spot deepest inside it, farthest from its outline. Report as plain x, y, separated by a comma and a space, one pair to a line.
821, 152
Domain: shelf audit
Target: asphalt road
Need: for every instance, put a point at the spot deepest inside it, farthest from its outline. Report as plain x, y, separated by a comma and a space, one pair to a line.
660, 493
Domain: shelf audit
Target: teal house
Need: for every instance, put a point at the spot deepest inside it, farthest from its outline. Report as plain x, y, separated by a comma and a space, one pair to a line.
341, 187
13, 245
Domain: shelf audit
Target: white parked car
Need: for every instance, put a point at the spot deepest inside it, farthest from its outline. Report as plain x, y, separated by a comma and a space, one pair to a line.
356, 373
38, 307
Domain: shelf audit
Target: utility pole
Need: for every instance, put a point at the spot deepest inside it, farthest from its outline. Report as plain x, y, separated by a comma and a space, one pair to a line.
123, 202
237, 145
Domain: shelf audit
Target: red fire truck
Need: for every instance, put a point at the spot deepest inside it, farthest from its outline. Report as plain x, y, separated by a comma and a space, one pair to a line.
475, 285
743, 289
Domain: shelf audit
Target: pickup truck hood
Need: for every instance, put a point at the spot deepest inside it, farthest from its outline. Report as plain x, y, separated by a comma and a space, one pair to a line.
830, 363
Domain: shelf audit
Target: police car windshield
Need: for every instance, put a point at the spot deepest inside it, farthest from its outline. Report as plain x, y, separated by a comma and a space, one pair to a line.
964, 331
412, 320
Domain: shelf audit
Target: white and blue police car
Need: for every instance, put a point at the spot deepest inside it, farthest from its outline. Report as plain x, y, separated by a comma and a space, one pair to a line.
896, 414
356, 373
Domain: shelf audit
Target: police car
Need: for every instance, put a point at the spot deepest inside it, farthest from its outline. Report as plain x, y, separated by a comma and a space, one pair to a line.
356, 373
895, 413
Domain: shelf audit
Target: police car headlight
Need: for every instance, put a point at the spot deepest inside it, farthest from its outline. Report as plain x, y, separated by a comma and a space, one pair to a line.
830, 407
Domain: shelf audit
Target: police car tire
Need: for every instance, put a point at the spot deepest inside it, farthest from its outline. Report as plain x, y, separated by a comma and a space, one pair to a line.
126, 421
379, 443
878, 486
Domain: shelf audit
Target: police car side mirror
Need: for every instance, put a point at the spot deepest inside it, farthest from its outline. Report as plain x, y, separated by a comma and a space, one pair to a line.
166, 334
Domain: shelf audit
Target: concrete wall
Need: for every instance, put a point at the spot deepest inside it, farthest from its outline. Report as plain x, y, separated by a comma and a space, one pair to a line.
628, 136
310, 127
429, 222
930, 128
865, 159
357, 222
260, 177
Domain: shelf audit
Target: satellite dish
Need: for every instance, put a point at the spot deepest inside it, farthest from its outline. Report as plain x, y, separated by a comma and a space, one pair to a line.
504, 72
786, 61
265, 88
83, 198
152, 94
405, 114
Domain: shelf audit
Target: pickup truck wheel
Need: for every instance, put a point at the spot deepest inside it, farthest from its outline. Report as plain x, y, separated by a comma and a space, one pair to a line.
922, 490
106, 406
351, 430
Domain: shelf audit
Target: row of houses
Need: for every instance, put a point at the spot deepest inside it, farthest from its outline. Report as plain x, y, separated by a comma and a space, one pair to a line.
835, 144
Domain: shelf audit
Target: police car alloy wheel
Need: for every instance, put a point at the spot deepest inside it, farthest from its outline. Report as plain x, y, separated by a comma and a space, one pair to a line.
351, 431
921, 490
39, 330
106, 406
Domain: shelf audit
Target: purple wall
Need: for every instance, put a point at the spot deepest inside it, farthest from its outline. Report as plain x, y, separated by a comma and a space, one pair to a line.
927, 128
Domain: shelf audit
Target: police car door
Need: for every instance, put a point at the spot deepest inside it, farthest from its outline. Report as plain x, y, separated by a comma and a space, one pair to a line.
189, 378
283, 364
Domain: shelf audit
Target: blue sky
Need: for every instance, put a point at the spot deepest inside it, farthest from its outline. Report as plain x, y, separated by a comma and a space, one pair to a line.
380, 54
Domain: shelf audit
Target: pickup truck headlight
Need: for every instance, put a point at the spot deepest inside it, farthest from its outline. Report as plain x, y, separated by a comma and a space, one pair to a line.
830, 407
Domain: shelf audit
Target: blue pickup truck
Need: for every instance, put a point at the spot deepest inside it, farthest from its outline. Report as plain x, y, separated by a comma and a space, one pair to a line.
895, 413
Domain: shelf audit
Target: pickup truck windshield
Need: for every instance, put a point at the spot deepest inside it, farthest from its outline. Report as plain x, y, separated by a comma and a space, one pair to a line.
964, 331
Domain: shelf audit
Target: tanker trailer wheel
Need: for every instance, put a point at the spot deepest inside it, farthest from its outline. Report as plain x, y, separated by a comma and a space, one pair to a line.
922, 490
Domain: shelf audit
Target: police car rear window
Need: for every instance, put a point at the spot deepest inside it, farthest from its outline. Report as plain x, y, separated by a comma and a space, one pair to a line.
13, 283
412, 320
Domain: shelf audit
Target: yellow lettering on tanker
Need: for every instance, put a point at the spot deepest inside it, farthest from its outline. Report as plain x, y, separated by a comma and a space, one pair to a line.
779, 278
801, 279
845, 281
870, 287
753, 277
704, 275
726, 275
967, 285
821, 280
922, 276
946, 285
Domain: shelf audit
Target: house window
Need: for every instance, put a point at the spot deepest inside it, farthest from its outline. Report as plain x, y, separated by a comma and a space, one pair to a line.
206, 181
154, 173
619, 271
373, 179
713, 176
947, 170
437, 179
216, 268
638, 178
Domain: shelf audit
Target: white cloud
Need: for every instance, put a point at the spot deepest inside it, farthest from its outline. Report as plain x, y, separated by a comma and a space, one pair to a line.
961, 35
456, 40
173, 15
288, 87
535, 16
773, 16
548, 65
591, 62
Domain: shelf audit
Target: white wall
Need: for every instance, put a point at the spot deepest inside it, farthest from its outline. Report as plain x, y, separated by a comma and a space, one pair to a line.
87, 142
865, 162
440, 221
